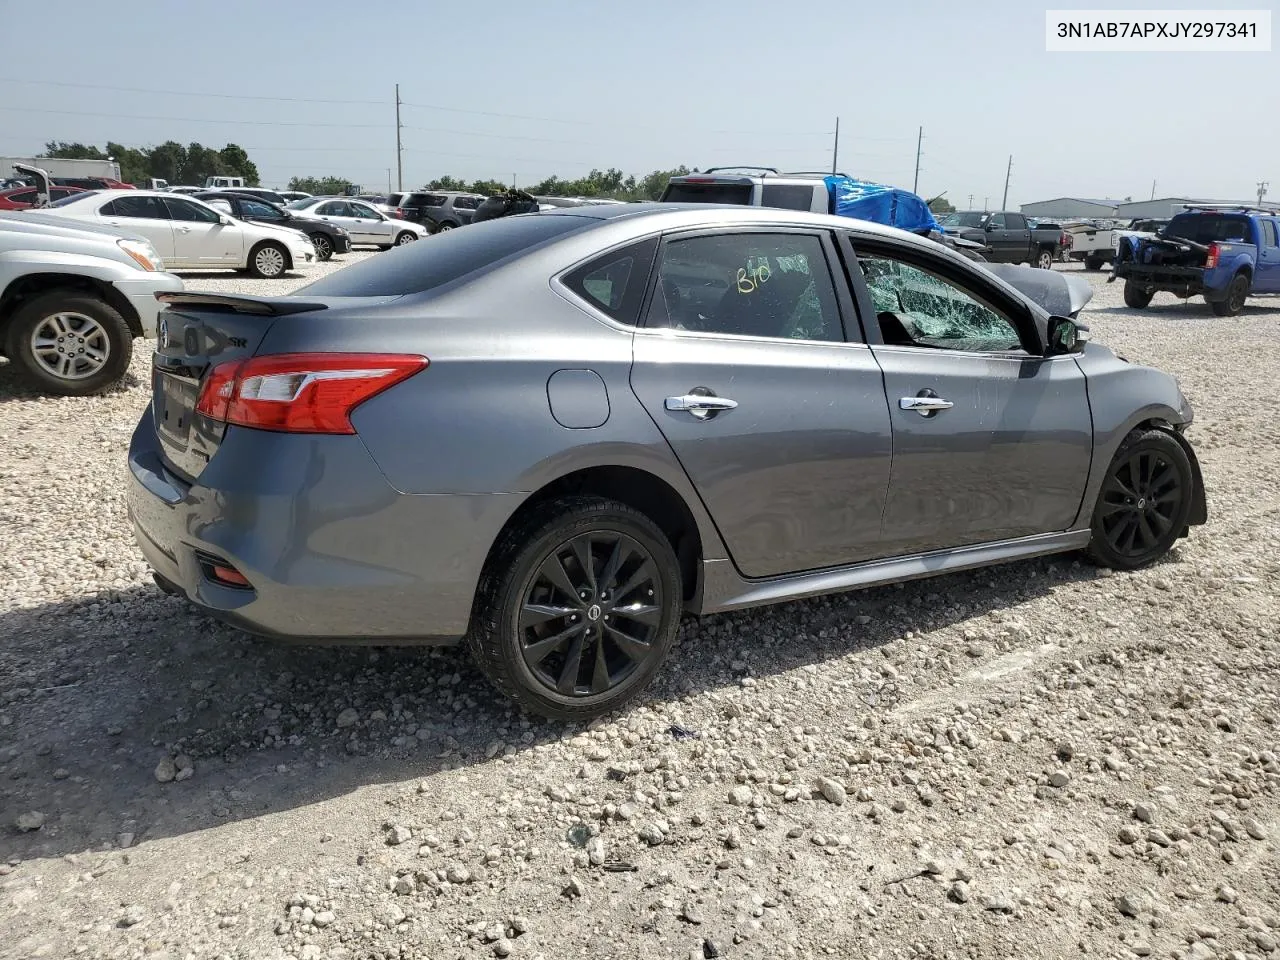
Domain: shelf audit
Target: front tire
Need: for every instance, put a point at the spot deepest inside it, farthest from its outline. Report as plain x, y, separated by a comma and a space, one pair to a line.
268, 261
1144, 503
577, 608
70, 344
405, 236
1135, 296
323, 245
1237, 293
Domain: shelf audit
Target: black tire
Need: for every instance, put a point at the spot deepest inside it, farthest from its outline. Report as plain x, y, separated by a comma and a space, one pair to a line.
1093, 263
447, 225
1237, 294
1135, 296
323, 245
1144, 503
384, 247
405, 236
268, 261
514, 582
1044, 259
103, 327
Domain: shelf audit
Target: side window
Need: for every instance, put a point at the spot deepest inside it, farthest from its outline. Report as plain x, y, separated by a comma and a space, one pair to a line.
465, 203
260, 210
29, 196
148, 208
189, 212
614, 282
432, 200
223, 205
335, 208
997, 221
1270, 227
1016, 221
360, 210
788, 196
748, 284
916, 308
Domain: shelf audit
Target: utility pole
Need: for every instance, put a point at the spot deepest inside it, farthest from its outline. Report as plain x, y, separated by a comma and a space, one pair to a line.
971, 201
1153, 189
986, 204
1262, 190
1005, 202
388, 179
915, 186
835, 150
399, 149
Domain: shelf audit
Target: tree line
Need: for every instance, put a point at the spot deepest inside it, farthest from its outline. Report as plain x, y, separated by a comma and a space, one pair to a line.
611, 184
169, 161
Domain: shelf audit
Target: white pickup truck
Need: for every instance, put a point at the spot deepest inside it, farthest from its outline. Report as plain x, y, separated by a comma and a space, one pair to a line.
1095, 242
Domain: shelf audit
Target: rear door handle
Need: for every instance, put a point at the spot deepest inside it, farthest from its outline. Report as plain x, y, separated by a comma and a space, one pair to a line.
701, 406
925, 406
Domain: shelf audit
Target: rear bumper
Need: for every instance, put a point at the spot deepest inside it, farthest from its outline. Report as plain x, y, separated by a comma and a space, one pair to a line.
332, 552
141, 294
1185, 281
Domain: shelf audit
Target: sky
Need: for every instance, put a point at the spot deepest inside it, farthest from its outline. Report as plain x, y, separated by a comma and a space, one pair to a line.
521, 91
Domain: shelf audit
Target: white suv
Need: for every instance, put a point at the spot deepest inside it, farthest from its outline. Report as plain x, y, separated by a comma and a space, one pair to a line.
72, 298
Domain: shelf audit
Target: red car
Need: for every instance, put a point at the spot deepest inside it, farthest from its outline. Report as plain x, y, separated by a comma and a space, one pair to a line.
20, 198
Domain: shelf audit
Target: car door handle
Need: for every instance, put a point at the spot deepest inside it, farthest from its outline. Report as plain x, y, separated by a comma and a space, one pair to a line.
184, 229
701, 406
925, 406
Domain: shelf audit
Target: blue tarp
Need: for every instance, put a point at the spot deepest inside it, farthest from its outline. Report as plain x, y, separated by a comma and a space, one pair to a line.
880, 204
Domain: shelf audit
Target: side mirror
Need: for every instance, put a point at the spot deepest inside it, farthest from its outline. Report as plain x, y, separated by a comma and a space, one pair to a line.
1066, 336
988, 226
225, 221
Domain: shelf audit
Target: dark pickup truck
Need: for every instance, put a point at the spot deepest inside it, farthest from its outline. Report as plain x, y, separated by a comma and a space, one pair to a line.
1225, 254
1007, 235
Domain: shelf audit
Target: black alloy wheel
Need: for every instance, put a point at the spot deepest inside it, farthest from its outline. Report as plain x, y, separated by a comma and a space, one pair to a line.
1145, 501
578, 607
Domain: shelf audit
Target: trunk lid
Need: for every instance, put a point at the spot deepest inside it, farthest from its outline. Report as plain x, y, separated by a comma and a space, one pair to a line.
197, 332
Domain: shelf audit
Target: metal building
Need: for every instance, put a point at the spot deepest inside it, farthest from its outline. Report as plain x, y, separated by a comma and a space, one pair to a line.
1071, 207
1169, 206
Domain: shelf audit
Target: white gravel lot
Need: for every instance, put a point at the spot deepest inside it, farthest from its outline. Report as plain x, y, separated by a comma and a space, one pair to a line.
1037, 760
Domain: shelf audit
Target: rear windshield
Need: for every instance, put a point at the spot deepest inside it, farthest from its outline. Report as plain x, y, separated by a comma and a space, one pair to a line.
678, 192
449, 255
1210, 227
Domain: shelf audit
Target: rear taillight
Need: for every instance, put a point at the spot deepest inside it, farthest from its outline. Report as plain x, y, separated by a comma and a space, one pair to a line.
1211, 259
398, 212
301, 392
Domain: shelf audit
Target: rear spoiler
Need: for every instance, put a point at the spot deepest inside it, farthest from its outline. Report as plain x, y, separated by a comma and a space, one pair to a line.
259, 306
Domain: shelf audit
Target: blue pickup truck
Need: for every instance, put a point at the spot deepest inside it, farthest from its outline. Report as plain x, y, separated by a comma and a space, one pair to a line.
1225, 254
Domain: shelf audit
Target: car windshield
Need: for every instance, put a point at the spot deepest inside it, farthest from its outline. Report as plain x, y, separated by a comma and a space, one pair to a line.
73, 198
971, 218
449, 256
1209, 228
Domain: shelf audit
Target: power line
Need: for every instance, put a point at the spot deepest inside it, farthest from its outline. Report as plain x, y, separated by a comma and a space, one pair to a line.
181, 93
131, 116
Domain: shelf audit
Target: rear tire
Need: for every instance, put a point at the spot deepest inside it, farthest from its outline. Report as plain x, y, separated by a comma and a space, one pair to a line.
447, 225
1044, 259
268, 261
1093, 263
1237, 294
1135, 296
548, 583
1144, 503
74, 332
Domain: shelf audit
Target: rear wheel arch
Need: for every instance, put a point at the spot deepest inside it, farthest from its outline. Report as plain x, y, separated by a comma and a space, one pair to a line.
636, 488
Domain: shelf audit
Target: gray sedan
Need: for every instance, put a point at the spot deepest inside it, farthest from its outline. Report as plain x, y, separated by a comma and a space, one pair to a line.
550, 435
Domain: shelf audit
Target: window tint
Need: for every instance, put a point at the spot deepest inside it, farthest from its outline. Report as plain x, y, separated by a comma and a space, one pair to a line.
334, 208
428, 200
997, 221
148, 208
394, 199
263, 211
614, 282
738, 193
360, 210
1270, 227
749, 284
1016, 222
28, 196
1209, 227
448, 257
465, 203
916, 308
788, 196
189, 212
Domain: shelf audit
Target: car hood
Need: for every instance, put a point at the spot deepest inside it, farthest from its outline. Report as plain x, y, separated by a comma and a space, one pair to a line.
1060, 294
35, 224
291, 233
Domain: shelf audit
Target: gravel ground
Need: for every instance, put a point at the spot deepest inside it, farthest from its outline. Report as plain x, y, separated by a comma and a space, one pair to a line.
1039, 759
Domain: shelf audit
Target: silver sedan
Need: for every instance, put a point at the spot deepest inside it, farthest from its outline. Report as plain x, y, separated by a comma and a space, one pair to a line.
365, 224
